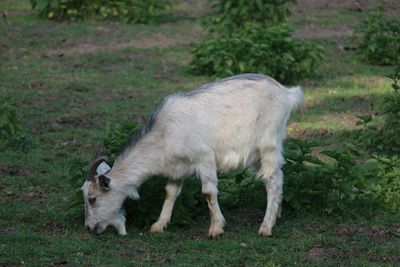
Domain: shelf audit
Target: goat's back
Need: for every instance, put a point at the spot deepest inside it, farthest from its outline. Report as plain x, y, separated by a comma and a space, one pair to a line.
233, 119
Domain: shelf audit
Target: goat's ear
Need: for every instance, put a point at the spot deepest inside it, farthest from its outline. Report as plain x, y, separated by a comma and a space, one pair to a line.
103, 168
104, 182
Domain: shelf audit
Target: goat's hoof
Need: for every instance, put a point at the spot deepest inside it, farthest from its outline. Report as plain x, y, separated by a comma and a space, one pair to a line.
265, 231
215, 231
123, 233
156, 228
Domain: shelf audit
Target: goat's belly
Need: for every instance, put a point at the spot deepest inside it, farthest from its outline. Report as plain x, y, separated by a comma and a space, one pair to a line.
232, 160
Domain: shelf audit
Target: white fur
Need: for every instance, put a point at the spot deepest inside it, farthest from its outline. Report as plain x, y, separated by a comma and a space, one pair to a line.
235, 123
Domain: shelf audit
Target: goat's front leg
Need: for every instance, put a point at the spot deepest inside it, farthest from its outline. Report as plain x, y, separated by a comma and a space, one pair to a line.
274, 191
173, 189
209, 182
217, 219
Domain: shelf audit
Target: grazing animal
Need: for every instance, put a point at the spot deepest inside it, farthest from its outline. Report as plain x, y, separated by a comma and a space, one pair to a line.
230, 124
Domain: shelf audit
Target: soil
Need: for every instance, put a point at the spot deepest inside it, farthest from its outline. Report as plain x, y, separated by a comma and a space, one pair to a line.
306, 8
318, 254
158, 40
301, 9
348, 232
352, 5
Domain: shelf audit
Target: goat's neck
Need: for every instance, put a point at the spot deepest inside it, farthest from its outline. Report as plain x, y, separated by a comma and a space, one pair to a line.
137, 165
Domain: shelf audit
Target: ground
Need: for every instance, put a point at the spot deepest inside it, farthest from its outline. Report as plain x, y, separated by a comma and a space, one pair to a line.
73, 80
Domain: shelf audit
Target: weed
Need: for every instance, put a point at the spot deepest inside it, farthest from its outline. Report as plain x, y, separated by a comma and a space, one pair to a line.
12, 132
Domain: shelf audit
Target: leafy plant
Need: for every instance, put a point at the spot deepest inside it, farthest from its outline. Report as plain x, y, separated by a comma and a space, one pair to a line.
146, 210
335, 184
240, 189
270, 51
378, 38
388, 180
9, 124
136, 11
234, 14
77, 173
12, 132
118, 136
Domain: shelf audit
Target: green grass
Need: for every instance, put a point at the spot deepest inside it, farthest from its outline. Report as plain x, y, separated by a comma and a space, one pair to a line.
67, 96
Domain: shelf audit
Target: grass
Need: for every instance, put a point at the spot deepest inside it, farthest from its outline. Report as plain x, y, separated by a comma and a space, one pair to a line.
72, 79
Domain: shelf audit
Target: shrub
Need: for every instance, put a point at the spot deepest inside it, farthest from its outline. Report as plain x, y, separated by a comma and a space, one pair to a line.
378, 38
388, 181
9, 124
255, 49
12, 132
116, 137
251, 36
234, 14
136, 11
242, 190
336, 185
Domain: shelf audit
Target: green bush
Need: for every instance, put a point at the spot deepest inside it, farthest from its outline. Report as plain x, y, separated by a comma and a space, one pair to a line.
256, 49
12, 132
378, 38
234, 14
388, 181
241, 190
251, 36
136, 11
337, 184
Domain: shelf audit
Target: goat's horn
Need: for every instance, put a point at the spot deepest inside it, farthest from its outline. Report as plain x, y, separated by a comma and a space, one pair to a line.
93, 167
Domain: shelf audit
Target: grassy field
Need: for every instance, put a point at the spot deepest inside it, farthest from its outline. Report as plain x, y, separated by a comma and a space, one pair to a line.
72, 80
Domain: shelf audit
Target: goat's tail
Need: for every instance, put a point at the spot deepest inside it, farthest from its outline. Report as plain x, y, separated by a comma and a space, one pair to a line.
295, 97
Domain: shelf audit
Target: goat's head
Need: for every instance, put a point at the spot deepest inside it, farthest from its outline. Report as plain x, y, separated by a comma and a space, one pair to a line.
102, 200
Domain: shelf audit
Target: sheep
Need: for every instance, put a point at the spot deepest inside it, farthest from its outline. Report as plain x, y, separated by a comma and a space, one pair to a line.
230, 124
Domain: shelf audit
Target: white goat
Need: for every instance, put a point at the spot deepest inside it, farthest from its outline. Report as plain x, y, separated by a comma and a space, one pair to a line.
233, 123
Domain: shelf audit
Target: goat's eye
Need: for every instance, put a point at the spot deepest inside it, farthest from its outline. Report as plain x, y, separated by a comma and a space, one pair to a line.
92, 200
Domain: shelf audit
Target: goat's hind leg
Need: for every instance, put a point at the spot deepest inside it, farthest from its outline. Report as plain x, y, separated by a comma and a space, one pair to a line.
272, 175
173, 189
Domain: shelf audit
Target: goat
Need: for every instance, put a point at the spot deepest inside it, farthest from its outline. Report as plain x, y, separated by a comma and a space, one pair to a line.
230, 124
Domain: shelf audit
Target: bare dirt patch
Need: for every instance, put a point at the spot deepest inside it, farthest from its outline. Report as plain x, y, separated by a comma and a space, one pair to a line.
50, 227
317, 31
354, 5
328, 8
158, 40
350, 231
318, 254
7, 169
295, 131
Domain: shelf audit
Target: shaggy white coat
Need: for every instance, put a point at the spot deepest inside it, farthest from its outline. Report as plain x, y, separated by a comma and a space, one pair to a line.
230, 124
